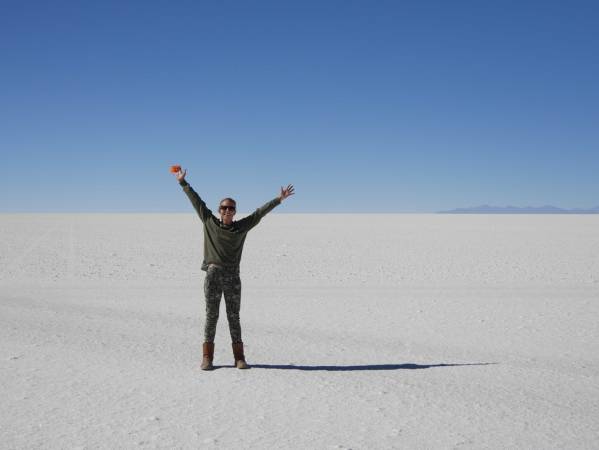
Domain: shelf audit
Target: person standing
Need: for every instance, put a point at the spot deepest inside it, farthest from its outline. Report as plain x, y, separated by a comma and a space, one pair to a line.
223, 245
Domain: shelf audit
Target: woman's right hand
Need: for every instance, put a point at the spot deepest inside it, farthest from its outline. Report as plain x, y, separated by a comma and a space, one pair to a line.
181, 175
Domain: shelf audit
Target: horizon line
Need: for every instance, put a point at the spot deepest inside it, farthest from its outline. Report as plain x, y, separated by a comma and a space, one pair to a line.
448, 212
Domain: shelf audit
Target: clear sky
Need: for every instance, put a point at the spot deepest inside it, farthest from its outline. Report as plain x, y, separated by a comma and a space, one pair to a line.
366, 106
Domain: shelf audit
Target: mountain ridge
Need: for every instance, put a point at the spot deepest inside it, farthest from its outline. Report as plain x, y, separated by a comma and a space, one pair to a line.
546, 209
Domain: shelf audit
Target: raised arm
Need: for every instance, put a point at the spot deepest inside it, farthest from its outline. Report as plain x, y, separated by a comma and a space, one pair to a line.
253, 219
195, 199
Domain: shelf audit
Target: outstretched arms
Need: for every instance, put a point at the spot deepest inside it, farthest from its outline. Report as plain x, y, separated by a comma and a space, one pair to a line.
198, 204
204, 212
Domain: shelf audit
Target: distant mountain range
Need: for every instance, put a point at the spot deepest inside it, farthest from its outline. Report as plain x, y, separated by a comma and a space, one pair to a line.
547, 209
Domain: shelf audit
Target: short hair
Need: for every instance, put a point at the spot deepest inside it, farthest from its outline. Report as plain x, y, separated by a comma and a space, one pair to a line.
228, 198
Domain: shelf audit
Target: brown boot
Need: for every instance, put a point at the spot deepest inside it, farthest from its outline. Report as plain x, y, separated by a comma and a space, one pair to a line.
238, 355
208, 356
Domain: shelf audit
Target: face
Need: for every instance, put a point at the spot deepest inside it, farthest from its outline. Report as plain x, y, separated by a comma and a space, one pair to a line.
227, 211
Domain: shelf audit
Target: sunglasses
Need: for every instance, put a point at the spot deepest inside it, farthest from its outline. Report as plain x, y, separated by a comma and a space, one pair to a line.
227, 207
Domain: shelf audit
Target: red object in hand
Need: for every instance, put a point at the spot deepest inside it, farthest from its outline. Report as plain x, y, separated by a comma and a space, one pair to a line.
175, 169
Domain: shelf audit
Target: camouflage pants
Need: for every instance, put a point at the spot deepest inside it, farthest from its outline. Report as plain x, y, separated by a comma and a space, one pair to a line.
221, 281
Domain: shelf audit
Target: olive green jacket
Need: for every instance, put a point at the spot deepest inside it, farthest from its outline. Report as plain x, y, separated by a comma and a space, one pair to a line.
223, 244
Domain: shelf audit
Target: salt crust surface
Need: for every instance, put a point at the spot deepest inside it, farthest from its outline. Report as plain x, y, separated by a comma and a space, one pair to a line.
364, 331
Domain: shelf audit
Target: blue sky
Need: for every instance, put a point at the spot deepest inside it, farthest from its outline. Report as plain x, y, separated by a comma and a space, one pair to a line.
366, 106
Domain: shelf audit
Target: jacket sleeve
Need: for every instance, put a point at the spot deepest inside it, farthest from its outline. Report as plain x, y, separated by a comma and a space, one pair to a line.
253, 219
196, 201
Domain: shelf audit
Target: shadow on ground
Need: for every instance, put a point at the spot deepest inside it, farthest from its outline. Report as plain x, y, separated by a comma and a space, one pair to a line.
363, 367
